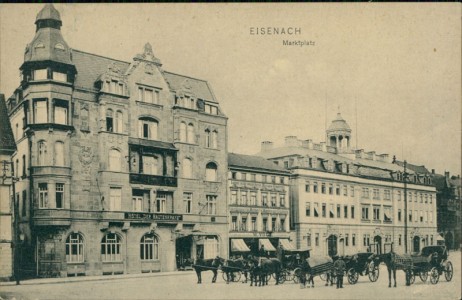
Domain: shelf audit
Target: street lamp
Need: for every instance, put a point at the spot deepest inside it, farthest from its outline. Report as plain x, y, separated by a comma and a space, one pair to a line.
8, 167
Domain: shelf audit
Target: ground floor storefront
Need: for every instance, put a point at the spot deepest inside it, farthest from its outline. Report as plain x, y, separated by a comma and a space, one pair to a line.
108, 248
349, 239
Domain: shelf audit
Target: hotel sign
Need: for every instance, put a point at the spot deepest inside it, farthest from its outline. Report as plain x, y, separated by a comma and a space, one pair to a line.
154, 217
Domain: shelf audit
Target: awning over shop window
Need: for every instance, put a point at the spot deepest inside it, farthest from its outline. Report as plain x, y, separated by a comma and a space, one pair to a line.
238, 245
439, 238
286, 245
267, 244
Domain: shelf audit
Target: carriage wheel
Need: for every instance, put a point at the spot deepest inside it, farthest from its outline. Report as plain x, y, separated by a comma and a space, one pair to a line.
411, 277
423, 276
282, 277
297, 274
225, 276
323, 276
373, 273
434, 275
352, 276
289, 275
448, 271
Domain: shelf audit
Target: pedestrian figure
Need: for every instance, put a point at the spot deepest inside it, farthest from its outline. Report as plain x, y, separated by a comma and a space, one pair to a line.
261, 254
339, 270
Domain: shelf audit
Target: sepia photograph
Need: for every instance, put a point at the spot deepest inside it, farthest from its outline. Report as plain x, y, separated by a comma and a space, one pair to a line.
230, 151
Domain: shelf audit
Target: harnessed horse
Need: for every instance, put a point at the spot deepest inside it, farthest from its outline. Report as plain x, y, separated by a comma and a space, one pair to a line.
395, 262
261, 269
233, 265
211, 264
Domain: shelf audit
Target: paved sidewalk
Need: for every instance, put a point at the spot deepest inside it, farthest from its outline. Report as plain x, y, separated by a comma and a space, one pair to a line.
93, 278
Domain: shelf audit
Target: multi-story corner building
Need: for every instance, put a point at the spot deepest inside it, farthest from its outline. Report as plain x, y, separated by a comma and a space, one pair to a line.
448, 198
7, 172
345, 200
123, 165
258, 203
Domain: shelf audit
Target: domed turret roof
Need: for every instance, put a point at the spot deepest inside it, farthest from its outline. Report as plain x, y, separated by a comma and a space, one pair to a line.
48, 12
339, 124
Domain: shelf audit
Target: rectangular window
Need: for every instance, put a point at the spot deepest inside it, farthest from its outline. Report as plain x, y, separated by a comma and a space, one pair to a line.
376, 213
254, 224
40, 111
324, 210
386, 195
365, 193
264, 199
421, 216
331, 189
316, 209
399, 215
187, 202
316, 240
431, 216
315, 187
161, 202
399, 195
346, 239
376, 194
24, 203
273, 200
43, 195
415, 216
345, 190
352, 191
150, 165
115, 199
331, 211
243, 198
211, 204
282, 200
426, 198
60, 115
60, 195
353, 239
253, 198
307, 209
337, 190
41, 74
323, 188
338, 211
365, 213
352, 212
345, 211
410, 215
233, 199
137, 203
234, 223
421, 198
399, 240
58, 76
431, 199
308, 240
307, 187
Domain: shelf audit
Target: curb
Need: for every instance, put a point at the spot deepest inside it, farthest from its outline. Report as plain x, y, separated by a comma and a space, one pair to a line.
92, 278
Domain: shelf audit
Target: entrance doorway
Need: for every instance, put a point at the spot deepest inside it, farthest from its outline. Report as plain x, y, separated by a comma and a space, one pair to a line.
332, 245
378, 244
416, 243
183, 253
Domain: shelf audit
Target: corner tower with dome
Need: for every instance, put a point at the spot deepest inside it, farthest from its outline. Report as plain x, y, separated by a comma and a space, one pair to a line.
122, 164
345, 200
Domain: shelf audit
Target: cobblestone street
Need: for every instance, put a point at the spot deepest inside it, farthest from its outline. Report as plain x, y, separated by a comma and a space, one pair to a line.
182, 285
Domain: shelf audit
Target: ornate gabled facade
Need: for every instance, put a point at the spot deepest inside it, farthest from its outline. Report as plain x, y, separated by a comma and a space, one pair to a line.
259, 208
346, 200
123, 165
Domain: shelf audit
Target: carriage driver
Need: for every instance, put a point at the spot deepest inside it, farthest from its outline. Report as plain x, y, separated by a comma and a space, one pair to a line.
339, 269
261, 254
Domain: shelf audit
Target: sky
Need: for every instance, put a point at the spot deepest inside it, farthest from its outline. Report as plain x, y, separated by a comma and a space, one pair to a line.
392, 70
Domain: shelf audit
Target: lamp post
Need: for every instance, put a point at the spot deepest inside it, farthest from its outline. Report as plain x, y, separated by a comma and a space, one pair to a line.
8, 167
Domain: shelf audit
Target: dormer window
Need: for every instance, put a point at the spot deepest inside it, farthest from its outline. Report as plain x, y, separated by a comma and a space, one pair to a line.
211, 109
59, 46
148, 95
113, 87
186, 102
39, 45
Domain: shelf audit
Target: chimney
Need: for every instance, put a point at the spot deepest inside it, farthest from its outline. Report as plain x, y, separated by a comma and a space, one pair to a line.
433, 171
291, 141
266, 145
372, 155
307, 144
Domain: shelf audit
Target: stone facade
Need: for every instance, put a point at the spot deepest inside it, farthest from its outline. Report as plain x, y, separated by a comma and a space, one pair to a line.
124, 163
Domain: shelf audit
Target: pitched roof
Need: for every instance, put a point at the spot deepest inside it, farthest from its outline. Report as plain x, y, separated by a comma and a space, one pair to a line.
7, 143
415, 168
48, 12
439, 181
253, 162
91, 66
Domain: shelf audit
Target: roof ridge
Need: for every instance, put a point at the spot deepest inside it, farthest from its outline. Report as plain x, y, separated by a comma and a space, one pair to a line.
98, 55
173, 73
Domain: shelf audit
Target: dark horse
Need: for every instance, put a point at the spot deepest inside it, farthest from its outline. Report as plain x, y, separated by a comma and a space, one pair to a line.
394, 262
262, 269
235, 265
211, 264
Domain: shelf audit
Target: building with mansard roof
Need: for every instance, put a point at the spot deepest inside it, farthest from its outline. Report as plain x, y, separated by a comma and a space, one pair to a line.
123, 164
346, 200
258, 204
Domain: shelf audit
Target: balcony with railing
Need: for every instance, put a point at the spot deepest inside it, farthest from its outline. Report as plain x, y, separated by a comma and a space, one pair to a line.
153, 180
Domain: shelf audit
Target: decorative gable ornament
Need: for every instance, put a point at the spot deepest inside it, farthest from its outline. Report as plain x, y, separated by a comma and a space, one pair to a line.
148, 55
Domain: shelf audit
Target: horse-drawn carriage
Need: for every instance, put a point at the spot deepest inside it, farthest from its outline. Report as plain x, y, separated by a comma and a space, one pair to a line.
431, 261
313, 266
360, 264
291, 260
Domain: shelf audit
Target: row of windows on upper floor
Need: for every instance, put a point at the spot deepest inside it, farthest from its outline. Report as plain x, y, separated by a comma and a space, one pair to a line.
425, 216
329, 188
252, 198
258, 177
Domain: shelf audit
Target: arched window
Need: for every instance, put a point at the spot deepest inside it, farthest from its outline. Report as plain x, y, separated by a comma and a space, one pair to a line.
207, 138
75, 248
214, 142
149, 247
211, 172
109, 120
42, 153
114, 160
119, 122
148, 128
187, 168
111, 248
191, 138
59, 154
183, 132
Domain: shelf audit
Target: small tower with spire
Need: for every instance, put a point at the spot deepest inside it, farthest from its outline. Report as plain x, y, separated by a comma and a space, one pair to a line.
339, 134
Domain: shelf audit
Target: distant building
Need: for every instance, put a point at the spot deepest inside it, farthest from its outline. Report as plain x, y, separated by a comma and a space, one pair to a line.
448, 197
346, 200
259, 207
123, 165
7, 149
